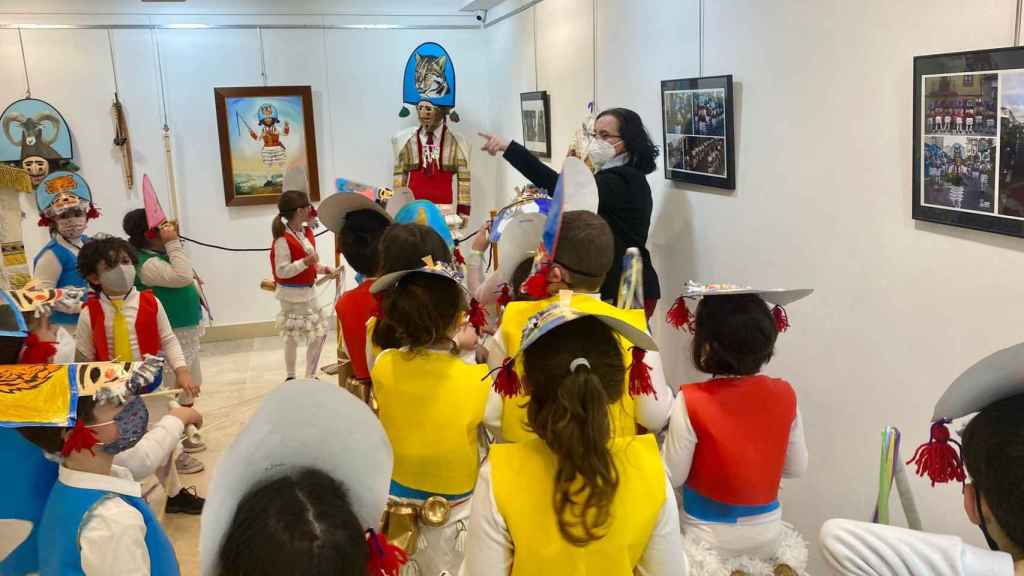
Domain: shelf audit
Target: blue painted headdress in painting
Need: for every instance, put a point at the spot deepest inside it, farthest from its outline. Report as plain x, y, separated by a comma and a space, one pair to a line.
267, 112
429, 77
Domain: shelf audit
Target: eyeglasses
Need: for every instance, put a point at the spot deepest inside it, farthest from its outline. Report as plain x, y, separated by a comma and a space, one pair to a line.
604, 136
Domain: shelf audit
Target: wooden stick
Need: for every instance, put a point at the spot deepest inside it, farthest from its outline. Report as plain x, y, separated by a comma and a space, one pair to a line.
494, 246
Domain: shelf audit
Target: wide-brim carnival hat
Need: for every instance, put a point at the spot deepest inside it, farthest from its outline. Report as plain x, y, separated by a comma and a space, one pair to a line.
995, 377
335, 208
286, 435
518, 241
679, 315
567, 309
429, 77
427, 213
61, 191
476, 315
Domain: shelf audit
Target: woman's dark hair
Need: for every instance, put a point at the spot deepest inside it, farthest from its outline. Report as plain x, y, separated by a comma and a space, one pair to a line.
733, 335
287, 204
642, 150
420, 311
135, 226
360, 238
302, 523
51, 439
519, 275
568, 409
107, 250
403, 247
993, 451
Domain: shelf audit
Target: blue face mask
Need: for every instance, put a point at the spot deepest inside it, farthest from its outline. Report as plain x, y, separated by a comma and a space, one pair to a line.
131, 423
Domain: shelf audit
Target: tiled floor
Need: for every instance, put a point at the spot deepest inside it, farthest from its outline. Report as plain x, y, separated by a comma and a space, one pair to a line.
236, 376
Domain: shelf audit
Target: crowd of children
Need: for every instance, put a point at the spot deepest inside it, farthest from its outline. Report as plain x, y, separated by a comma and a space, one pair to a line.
512, 423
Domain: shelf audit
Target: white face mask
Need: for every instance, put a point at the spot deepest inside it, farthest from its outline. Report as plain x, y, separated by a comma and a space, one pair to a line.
118, 280
71, 228
600, 152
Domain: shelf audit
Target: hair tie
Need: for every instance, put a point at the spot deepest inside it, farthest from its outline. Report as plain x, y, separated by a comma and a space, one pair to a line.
283, 219
577, 363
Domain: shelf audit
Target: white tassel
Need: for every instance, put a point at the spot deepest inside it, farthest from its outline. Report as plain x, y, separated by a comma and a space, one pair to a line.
460, 536
411, 568
421, 542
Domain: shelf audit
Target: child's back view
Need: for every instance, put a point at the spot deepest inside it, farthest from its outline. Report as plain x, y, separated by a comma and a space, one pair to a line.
734, 437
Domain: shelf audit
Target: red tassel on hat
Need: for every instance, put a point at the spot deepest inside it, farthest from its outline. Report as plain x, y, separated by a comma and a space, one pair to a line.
457, 255
507, 381
386, 559
37, 351
44, 222
477, 315
640, 375
93, 213
781, 318
938, 458
679, 315
151, 234
536, 286
81, 438
504, 297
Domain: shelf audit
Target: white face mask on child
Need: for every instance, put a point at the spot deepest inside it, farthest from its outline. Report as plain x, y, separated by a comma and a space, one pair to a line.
118, 280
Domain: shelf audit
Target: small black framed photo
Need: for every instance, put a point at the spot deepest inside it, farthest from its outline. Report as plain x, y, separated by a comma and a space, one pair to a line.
697, 137
968, 132
536, 110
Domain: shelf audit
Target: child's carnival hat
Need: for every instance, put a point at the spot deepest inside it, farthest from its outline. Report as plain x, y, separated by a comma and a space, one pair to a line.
993, 378
336, 207
61, 191
477, 316
679, 315
568, 309
286, 434
519, 239
423, 212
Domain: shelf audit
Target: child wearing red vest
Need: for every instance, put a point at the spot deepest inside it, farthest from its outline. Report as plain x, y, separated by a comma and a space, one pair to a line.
731, 439
295, 264
358, 223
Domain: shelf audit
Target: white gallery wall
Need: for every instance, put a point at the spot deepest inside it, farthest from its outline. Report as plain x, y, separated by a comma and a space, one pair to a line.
823, 130
355, 75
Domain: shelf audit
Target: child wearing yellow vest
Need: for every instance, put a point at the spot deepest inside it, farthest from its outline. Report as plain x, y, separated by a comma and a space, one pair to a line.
581, 261
430, 400
576, 499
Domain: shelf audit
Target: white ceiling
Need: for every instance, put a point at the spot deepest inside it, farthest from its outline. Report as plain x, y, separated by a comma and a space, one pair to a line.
234, 7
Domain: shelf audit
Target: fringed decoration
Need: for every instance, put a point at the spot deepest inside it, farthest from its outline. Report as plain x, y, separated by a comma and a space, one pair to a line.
460, 536
386, 559
477, 316
93, 213
80, 438
781, 318
640, 375
679, 316
37, 351
16, 179
507, 381
504, 297
536, 286
457, 255
939, 458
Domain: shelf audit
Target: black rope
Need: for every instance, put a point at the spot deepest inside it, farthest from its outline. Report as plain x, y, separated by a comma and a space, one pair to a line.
226, 249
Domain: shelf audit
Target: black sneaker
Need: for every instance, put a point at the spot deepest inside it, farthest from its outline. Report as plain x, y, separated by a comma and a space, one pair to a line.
186, 502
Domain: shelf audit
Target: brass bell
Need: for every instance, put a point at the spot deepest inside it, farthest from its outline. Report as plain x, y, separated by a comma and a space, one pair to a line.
434, 511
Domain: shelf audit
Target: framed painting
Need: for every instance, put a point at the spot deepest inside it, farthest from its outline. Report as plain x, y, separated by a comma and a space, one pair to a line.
536, 111
697, 132
968, 132
264, 132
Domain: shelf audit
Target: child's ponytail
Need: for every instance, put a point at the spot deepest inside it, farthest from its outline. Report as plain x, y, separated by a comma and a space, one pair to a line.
573, 374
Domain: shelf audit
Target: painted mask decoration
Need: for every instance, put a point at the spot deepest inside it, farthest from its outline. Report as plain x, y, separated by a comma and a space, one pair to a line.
38, 168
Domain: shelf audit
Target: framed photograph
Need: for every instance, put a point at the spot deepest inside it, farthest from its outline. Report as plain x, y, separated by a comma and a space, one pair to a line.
536, 110
265, 131
968, 134
698, 135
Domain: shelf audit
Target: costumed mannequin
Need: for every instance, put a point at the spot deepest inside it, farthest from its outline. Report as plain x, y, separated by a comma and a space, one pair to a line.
431, 159
35, 138
302, 425
70, 510
732, 439
530, 515
65, 206
993, 390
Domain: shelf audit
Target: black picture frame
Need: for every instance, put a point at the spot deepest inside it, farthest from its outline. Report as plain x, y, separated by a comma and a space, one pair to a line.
967, 175
535, 110
683, 131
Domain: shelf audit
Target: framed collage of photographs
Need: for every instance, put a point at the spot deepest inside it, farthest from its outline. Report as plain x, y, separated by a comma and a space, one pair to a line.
968, 134
536, 110
264, 131
698, 131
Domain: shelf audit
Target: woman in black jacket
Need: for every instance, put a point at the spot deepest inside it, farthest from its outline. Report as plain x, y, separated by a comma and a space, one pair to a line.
623, 154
